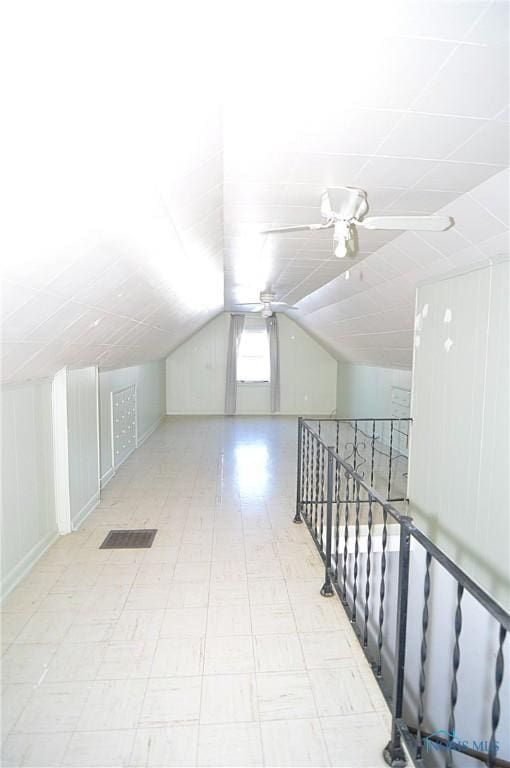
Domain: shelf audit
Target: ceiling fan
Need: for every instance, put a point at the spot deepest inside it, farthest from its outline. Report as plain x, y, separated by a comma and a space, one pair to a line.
344, 209
266, 305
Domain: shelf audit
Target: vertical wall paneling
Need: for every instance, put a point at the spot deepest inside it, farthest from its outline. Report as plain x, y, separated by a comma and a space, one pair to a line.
459, 454
28, 520
61, 451
366, 391
82, 420
196, 374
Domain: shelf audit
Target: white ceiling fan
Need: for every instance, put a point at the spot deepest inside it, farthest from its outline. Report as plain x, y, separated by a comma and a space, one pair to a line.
343, 209
266, 306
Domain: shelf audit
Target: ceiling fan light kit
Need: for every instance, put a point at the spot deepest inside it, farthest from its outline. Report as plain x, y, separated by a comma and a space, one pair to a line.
266, 306
344, 209
352, 205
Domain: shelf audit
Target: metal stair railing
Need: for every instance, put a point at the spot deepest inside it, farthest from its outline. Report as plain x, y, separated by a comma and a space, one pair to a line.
345, 517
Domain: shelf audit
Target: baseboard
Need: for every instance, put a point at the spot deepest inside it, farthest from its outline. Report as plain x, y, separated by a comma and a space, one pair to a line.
148, 432
247, 413
85, 511
105, 479
26, 564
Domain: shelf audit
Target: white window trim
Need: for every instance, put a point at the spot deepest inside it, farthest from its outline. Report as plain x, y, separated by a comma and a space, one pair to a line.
255, 324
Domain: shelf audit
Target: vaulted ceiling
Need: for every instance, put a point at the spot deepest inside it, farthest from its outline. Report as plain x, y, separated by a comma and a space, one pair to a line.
132, 201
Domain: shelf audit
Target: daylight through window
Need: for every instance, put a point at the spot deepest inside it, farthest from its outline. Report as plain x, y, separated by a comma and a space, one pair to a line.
253, 355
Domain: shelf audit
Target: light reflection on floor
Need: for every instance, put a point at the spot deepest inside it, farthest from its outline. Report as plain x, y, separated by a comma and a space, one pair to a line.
251, 463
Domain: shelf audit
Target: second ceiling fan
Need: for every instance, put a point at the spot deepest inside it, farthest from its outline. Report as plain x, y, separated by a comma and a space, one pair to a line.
344, 209
266, 306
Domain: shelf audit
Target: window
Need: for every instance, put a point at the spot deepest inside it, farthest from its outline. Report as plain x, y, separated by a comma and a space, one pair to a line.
253, 356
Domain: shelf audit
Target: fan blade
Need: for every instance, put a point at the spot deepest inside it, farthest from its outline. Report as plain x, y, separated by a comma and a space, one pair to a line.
298, 228
248, 307
417, 223
282, 304
326, 210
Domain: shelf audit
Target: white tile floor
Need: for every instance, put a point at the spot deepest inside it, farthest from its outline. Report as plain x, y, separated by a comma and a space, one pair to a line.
212, 648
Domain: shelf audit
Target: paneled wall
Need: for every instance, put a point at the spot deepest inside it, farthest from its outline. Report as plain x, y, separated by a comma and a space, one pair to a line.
366, 391
28, 520
150, 387
196, 374
458, 475
82, 420
195, 371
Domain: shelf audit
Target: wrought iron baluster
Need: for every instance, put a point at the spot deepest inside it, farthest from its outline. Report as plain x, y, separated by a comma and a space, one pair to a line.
337, 532
390, 459
496, 707
346, 538
300, 471
356, 554
303, 469
382, 591
423, 654
373, 456
318, 451
307, 474
337, 465
322, 499
394, 753
312, 476
369, 566
456, 663
355, 458
327, 589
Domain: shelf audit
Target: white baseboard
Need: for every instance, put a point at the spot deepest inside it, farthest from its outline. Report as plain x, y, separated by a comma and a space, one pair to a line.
105, 479
26, 564
148, 432
295, 414
85, 511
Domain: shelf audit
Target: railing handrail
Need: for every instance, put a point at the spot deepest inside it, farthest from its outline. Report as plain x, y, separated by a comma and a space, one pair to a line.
492, 606
314, 457
357, 418
483, 597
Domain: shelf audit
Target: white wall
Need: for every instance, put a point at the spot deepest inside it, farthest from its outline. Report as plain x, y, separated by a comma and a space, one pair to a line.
195, 371
195, 374
365, 391
458, 475
28, 521
308, 372
82, 421
149, 379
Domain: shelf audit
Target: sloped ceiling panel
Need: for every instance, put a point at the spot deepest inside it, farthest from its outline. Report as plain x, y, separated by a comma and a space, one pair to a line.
133, 204
417, 116
369, 319
112, 234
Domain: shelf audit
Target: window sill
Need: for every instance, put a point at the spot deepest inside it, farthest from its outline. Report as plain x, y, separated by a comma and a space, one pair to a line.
253, 383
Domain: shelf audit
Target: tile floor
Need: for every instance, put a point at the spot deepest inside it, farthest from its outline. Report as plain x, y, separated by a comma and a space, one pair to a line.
212, 648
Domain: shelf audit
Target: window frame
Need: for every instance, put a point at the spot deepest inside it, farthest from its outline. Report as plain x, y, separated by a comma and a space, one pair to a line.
257, 326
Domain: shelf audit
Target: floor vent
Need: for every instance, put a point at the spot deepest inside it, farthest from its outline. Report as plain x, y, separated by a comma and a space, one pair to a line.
140, 539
